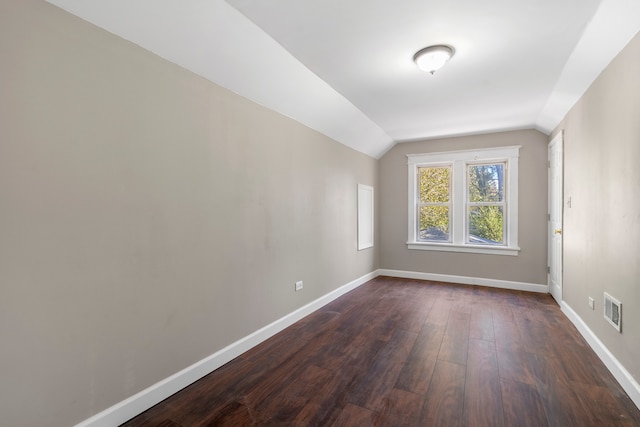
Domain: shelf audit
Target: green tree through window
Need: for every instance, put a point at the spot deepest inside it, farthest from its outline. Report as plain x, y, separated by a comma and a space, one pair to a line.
485, 184
434, 203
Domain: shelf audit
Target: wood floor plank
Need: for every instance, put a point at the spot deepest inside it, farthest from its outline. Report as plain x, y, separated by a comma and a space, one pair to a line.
232, 413
537, 336
282, 400
504, 326
328, 399
404, 352
354, 354
560, 403
481, 324
456, 338
416, 373
513, 363
270, 351
400, 409
355, 416
522, 405
370, 391
439, 313
580, 365
317, 322
483, 395
339, 352
444, 401
600, 405
408, 317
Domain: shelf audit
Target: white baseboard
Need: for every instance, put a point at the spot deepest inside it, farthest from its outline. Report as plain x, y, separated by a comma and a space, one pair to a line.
626, 380
494, 283
140, 402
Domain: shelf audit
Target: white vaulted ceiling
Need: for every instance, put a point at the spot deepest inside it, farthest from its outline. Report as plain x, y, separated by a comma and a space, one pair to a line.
345, 68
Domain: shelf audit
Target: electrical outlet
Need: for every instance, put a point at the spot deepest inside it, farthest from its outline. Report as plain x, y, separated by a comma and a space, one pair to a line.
299, 285
592, 304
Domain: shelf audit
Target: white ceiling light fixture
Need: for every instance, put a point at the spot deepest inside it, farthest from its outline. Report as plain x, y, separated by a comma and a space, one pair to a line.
432, 58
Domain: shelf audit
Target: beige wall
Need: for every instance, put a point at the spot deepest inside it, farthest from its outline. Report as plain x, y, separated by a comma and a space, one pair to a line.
529, 266
148, 217
602, 226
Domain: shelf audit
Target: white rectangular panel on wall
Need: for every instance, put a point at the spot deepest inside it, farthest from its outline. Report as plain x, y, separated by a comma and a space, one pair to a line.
365, 216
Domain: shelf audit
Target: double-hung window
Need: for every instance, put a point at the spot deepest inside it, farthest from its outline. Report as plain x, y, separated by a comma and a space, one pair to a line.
464, 201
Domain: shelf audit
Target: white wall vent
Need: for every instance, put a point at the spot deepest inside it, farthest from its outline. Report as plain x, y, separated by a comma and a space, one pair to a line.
612, 311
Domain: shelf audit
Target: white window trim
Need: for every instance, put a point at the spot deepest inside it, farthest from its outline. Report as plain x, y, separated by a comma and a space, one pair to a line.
459, 160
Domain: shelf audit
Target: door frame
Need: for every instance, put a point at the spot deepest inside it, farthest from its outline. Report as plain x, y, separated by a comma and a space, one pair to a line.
555, 216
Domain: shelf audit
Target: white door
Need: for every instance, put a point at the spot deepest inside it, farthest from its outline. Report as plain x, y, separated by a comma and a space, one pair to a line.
555, 217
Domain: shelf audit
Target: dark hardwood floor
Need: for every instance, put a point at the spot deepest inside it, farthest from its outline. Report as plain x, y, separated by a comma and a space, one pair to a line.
399, 352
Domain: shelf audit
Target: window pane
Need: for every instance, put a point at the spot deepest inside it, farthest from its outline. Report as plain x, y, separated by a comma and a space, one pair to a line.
486, 225
434, 185
434, 223
486, 183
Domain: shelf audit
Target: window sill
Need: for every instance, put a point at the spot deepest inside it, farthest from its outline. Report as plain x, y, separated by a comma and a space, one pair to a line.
476, 249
